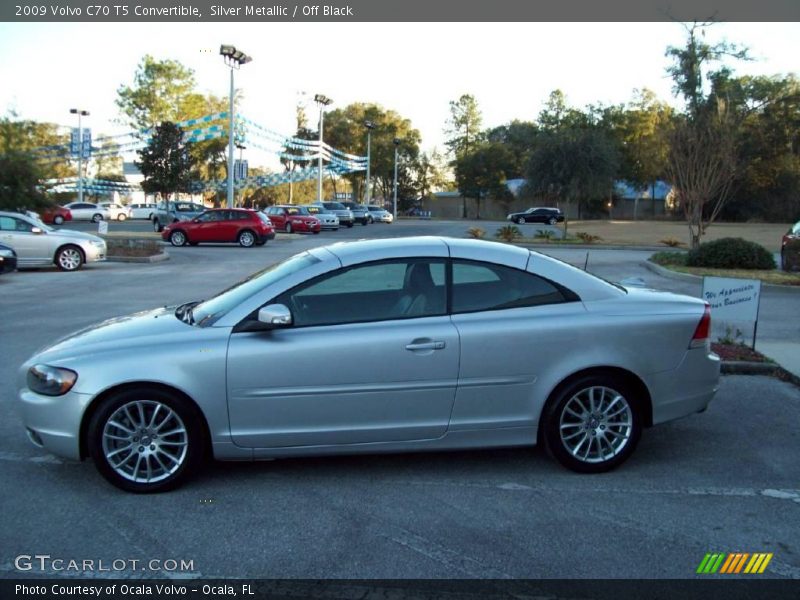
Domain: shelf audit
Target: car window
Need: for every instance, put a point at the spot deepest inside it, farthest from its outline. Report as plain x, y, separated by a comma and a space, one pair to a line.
12, 224
481, 286
796, 228
397, 289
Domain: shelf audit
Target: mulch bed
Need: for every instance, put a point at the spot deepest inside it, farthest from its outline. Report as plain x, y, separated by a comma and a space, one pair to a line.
738, 352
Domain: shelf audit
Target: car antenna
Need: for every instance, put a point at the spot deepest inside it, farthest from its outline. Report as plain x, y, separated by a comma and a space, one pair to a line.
586, 262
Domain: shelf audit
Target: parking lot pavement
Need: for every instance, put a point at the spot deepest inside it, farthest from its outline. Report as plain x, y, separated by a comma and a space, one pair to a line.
727, 480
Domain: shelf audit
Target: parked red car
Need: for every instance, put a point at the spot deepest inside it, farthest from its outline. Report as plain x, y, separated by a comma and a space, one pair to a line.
293, 218
243, 226
56, 215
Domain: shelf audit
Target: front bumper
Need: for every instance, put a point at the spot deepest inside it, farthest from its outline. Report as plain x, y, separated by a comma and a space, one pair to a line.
95, 253
54, 422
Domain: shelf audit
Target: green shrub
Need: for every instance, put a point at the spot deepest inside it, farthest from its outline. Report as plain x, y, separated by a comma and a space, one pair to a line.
669, 258
731, 253
545, 234
508, 233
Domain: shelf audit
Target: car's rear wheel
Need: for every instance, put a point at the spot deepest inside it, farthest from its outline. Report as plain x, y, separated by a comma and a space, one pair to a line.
365, 221
521, 220
288, 227
177, 238
551, 221
247, 239
121, 217
592, 424
58, 220
69, 258
157, 226
146, 440
97, 217
350, 224
784, 261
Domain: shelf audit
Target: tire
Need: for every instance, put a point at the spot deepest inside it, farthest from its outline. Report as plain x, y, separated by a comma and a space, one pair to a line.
157, 226
97, 217
246, 239
521, 220
164, 459
552, 221
288, 227
784, 262
365, 222
371, 220
58, 220
121, 217
178, 238
69, 258
584, 414
316, 232
350, 224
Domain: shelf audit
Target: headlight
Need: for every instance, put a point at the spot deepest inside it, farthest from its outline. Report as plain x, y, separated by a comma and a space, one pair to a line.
99, 243
51, 381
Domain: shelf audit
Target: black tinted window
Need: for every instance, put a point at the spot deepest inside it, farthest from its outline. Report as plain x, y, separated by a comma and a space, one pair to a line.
483, 286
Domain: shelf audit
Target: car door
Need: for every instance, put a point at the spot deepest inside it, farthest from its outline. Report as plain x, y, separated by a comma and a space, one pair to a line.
204, 227
363, 362
31, 248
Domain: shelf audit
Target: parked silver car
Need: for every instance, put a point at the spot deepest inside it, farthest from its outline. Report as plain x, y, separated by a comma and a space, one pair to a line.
327, 220
344, 214
379, 214
38, 245
426, 343
88, 211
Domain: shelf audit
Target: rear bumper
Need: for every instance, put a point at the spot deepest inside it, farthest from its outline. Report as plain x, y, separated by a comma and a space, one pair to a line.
687, 389
266, 236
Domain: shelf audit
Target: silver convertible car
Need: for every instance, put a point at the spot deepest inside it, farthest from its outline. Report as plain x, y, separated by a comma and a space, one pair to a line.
428, 344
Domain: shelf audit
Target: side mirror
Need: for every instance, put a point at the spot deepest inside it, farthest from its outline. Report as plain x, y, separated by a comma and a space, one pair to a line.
37, 230
275, 315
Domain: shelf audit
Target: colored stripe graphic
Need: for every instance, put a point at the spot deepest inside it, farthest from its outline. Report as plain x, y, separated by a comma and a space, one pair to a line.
734, 563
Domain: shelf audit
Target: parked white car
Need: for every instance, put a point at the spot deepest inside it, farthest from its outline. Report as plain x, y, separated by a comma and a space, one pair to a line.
381, 215
116, 212
142, 210
38, 245
86, 211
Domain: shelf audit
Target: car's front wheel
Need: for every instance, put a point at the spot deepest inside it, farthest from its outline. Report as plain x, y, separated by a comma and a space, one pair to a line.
552, 221
146, 440
69, 258
521, 220
58, 220
177, 238
592, 424
121, 217
247, 239
288, 227
157, 226
97, 217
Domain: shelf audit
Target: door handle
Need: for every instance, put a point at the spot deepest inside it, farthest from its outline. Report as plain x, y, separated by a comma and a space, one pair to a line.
425, 346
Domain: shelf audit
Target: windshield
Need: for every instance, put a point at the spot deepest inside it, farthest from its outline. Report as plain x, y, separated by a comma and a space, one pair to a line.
209, 311
334, 206
297, 210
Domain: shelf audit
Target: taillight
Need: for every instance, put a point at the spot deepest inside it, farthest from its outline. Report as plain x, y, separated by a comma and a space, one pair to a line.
703, 330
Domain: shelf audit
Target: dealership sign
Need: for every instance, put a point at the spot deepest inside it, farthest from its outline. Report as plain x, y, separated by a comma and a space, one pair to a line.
734, 302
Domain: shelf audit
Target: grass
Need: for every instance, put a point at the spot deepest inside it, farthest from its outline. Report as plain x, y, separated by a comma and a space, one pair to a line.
738, 352
676, 261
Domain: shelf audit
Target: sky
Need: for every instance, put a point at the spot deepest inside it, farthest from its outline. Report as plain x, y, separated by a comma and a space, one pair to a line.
412, 68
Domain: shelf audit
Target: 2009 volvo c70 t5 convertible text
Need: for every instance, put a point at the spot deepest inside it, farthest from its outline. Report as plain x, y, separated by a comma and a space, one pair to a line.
402, 344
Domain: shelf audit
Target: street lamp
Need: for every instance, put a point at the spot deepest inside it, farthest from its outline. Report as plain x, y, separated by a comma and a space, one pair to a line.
370, 126
394, 200
80, 113
322, 101
234, 59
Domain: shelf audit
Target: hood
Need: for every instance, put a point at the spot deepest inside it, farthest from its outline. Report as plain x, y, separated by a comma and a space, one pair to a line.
113, 334
77, 235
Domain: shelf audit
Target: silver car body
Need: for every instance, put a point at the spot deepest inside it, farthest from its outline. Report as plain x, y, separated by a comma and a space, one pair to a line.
381, 215
263, 394
327, 220
116, 212
36, 244
87, 211
344, 214
141, 210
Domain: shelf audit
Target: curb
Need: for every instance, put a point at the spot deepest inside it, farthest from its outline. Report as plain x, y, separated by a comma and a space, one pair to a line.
139, 259
664, 272
740, 367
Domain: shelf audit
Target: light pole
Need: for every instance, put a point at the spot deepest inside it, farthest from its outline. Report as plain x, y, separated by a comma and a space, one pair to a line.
394, 200
370, 126
322, 101
234, 59
80, 113
241, 147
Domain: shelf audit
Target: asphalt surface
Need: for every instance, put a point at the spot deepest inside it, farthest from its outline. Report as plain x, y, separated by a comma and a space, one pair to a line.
727, 480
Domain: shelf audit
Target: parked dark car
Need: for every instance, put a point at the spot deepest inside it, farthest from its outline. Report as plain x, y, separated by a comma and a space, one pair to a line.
340, 210
293, 219
551, 216
220, 225
790, 249
8, 259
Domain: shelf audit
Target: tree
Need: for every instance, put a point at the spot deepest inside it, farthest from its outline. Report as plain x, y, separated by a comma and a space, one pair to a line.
429, 174
704, 143
520, 138
463, 130
302, 132
165, 162
481, 173
159, 91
